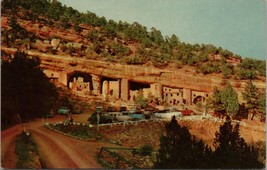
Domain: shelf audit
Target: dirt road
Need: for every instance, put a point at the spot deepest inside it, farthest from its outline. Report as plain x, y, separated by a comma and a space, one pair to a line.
57, 150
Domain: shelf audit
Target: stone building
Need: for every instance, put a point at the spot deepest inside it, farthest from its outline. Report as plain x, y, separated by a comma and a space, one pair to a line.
123, 89
78, 85
173, 96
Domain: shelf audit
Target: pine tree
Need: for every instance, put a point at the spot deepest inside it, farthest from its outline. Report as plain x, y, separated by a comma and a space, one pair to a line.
179, 149
231, 150
25, 88
216, 102
229, 99
251, 96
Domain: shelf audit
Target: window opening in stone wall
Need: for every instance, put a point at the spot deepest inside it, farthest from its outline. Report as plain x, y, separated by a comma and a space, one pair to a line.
111, 92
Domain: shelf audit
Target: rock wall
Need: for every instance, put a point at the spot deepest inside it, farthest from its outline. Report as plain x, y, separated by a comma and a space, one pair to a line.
174, 78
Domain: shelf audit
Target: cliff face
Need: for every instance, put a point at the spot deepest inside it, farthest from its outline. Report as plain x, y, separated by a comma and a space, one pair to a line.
142, 74
185, 77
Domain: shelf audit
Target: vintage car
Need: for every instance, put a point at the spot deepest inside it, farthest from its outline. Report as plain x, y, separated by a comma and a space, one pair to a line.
121, 116
167, 114
137, 115
63, 111
103, 118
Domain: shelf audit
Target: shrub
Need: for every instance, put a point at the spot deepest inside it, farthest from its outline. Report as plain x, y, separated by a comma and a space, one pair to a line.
26, 149
146, 150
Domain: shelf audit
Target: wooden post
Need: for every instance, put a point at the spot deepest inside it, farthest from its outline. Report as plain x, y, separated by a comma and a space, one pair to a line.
97, 123
100, 151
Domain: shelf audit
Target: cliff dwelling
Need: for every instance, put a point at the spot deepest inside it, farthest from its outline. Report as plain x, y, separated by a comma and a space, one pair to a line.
80, 83
135, 87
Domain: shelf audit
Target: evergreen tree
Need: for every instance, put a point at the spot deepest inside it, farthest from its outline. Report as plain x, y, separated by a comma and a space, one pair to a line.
216, 102
231, 150
25, 88
229, 99
262, 105
178, 149
251, 96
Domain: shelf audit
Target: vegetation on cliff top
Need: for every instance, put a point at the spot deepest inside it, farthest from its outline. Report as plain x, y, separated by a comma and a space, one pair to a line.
121, 41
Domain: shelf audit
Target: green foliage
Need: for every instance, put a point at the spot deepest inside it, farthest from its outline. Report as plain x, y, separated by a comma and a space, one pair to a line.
209, 67
251, 68
95, 36
80, 131
225, 101
140, 101
173, 41
103, 118
229, 99
164, 49
231, 150
254, 99
25, 88
15, 36
216, 102
26, 150
119, 50
146, 150
262, 103
156, 36
180, 150
227, 70
246, 74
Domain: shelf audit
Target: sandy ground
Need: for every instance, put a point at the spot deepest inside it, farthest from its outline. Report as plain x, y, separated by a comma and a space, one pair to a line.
57, 150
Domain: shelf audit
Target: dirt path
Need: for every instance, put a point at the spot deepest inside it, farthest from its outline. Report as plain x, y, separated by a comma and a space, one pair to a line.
57, 150
8, 156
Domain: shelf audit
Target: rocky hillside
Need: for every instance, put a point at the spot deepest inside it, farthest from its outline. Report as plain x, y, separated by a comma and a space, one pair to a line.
49, 28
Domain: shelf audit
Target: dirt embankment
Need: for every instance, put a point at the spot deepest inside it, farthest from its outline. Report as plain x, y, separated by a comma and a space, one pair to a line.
148, 133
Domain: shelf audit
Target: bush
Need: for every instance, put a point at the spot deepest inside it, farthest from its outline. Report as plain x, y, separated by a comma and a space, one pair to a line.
146, 150
26, 150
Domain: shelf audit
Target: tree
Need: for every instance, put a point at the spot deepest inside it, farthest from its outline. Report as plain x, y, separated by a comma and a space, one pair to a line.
227, 70
140, 101
216, 102
55, 10
173, 41
231, 150
179, 149
229, 99
156, 36
262, 105
25, 88
251, 96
